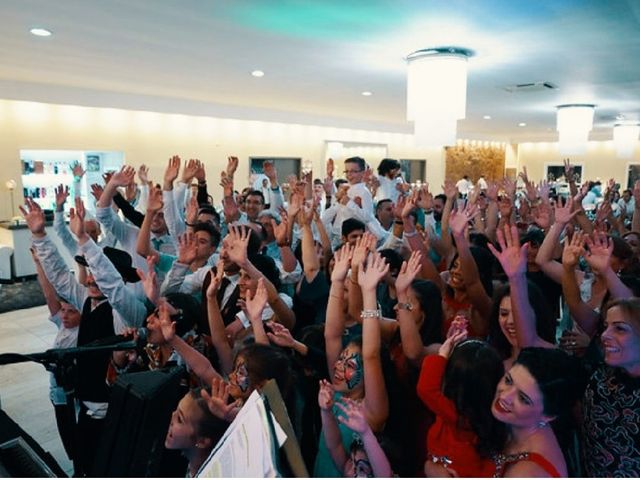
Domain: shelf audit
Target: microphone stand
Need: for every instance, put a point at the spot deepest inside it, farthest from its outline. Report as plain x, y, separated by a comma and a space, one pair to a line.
61, 362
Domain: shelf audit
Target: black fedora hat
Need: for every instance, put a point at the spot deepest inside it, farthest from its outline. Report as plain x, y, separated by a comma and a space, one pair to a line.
120, 259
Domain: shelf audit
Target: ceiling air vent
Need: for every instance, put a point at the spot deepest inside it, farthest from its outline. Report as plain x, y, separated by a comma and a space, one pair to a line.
530, 87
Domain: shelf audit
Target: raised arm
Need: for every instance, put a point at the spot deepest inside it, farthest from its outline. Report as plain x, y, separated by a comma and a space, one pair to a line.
376, 401
50, 296
253, 308
580, 311
238, 254
513, 259
143, 242
412, 345
334, 326
544, 258
330, 429
198, 363
52, 263
309, 257
475, 290
599, 259
216, 324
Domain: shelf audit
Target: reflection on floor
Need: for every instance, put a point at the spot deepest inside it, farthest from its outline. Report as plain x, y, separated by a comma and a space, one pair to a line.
24, 387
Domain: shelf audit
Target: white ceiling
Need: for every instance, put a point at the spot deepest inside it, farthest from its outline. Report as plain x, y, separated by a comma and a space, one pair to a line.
195, 57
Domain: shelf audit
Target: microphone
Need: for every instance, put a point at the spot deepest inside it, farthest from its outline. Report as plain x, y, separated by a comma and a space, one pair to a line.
123, 342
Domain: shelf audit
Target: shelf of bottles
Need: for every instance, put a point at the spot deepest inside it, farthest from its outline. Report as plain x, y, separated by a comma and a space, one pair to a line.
40, 177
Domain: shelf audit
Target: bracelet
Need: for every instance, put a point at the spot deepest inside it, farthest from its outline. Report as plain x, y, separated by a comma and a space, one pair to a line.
410, 234
404, 306
371, 314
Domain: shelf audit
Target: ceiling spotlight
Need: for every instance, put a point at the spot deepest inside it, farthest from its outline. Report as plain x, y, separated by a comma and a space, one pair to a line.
366, 94
487, 117
257, 73
522, 124
40, 32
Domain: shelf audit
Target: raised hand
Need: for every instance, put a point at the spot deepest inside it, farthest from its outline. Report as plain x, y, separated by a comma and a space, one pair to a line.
573, 250
143, 174
353, 415
409, 204
167, 327
325, 395
155, 202
296, 202
191, 212
201, 174
342, 259
600, 251
150, 280
123, 177
232, 166
458, 221
271, 172
77, 170
543, 215
330, 168
62, 193
408, 272
76, 219
171, 172
509, 187
450, 190
377, 268
226, 182
237, 245
425, 198
216, 281
569, 174
187, 248
492, 191
281, 231
188, 171
218, 400
450, 343
34, 216
511, 256
280, 335
96, 191
364, 245
543, 191
106, 176
563, 213
254, 306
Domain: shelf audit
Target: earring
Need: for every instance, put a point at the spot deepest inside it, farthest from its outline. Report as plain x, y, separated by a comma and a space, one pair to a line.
197, 445
542, 424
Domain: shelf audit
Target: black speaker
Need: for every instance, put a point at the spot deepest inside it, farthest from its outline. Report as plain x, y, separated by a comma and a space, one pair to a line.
20, 454
137, 421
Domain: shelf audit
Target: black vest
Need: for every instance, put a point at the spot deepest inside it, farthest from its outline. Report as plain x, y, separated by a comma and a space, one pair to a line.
92, 368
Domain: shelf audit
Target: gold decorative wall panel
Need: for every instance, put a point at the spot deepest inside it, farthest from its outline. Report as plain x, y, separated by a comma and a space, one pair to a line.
474, 161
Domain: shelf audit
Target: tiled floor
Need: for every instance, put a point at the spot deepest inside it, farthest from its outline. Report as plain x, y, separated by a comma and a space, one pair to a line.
24, 387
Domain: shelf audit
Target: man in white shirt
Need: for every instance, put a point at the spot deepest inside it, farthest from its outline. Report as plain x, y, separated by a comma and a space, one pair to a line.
464, 185
627, 204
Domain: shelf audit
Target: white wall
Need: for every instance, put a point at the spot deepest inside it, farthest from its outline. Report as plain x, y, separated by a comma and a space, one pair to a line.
151, 138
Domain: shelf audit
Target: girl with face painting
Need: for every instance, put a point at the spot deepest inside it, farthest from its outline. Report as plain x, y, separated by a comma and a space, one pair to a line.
252, 367
358, 363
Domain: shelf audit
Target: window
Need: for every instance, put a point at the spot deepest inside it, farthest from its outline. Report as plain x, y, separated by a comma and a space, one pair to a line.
413, 170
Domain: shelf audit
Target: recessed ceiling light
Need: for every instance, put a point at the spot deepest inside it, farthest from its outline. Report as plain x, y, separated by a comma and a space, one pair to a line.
367, 94
522, 124
487, 117
40, 32
257, 73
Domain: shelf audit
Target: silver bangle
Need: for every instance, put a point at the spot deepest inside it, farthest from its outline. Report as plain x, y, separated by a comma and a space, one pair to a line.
371, 314
410, 234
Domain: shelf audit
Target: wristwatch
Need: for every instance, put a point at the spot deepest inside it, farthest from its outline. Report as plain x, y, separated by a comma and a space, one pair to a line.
404, 306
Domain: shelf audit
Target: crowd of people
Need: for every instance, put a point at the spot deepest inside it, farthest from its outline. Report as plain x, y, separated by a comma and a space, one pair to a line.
491, 329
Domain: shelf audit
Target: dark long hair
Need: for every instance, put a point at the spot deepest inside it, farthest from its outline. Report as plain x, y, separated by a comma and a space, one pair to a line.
470, 380
545, 322
431, 304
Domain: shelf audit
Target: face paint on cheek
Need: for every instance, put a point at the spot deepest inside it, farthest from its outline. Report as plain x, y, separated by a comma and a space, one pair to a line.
242, 377
353, 371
